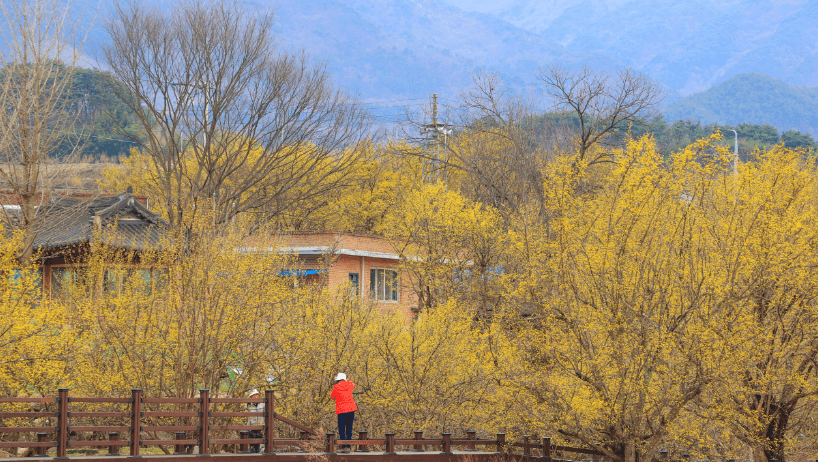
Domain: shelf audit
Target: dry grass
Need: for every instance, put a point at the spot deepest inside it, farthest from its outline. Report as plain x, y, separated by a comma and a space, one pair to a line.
78, 175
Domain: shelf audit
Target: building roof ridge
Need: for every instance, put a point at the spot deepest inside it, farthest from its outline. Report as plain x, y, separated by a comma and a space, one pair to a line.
329, 231
126, 201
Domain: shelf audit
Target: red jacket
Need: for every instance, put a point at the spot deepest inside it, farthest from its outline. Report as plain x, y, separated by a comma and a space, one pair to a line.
342, 394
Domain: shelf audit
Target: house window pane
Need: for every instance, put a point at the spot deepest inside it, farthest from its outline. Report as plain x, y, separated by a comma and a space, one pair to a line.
381, 285
111, 282
160, 279
61, 280
68, 282
384, 284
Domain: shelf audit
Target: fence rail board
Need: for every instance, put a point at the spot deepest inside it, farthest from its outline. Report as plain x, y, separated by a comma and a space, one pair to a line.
27, 444
99, 400
99, 414
170, 400
78, 428
92, 444
28, 400
171, 428
169, 414
27, 429
27, 414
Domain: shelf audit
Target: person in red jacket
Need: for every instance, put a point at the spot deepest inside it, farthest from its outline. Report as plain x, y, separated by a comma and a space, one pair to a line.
345, 407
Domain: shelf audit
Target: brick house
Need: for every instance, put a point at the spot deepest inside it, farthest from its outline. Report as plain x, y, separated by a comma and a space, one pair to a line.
366, 264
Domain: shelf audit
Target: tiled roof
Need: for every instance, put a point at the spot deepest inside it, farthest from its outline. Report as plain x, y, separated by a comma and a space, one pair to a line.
124, 223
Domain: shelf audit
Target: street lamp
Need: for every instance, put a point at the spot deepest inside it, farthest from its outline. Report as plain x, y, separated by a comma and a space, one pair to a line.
735, 163
735, 151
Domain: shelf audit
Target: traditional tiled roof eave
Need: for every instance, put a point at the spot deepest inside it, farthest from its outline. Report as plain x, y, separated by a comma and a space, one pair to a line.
81, 226
127, 202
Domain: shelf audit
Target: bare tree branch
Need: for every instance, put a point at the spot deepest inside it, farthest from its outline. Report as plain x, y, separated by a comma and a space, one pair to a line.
229, 122
37, 73
604, 104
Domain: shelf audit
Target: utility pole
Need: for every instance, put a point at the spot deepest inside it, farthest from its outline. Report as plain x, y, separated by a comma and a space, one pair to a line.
435, 155
434, 108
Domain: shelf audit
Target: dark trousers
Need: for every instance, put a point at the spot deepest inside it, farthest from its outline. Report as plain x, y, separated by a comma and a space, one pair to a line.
345, 426
254, 434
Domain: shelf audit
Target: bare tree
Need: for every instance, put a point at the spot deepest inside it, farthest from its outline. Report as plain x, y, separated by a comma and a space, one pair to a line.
603, 103
38, 67
491, 138
229, 121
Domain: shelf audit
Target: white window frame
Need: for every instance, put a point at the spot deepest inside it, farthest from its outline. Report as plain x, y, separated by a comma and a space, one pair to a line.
378, 285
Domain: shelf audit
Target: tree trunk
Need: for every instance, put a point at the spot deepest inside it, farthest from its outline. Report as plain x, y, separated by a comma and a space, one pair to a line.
630, 453
773, 433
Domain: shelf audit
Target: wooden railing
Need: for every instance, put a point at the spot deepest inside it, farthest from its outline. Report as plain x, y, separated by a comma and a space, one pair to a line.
199, 421
418, 443
202, 415
546, 449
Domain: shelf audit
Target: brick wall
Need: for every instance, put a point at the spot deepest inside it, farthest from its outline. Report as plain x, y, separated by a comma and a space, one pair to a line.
338, 279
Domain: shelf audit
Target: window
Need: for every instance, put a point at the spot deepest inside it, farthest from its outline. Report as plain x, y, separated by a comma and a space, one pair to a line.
383, 284
69, 282
124, 280
354, 280
23, 283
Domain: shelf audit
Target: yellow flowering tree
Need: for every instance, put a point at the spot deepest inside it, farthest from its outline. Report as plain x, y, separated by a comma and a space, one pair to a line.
449, 245
35, 336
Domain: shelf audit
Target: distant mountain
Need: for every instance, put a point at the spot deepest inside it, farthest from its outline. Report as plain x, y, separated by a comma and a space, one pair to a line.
397, 52
687, 45
754, 99
392, 49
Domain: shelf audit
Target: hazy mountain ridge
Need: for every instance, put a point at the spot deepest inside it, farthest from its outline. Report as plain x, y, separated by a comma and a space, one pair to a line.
409, 49
755, 99
689, 46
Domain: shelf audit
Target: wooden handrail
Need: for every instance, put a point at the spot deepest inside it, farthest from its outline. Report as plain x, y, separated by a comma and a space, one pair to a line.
204, 412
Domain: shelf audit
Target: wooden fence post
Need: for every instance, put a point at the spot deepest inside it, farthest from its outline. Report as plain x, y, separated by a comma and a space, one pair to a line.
269, 422
546, 449
362, 435
472, 437
113, 450
41, 452
418, 447
501, 443
390, 444
204, 422
331, 444
526, 446
447, 443
304, 437
244, 448
62, 423
136, 421
180, 448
